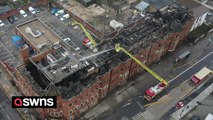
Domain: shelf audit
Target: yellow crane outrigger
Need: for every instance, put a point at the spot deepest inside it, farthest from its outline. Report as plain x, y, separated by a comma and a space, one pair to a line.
85, 31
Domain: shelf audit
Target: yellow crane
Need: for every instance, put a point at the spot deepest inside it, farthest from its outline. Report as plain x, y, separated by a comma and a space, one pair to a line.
119, 48
153, 91
85, 31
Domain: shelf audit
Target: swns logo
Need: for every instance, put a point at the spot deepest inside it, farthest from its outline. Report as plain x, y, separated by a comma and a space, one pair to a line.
33, 102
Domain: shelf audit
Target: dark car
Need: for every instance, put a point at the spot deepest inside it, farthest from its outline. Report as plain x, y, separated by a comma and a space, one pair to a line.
15, 18
38, 10
11, 20
195, 117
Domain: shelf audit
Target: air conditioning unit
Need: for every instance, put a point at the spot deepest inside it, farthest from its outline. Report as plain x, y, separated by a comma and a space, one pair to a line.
41, 45
74, 66
51, 59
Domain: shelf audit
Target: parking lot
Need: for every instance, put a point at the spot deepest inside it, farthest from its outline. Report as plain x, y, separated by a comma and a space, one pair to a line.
11, 55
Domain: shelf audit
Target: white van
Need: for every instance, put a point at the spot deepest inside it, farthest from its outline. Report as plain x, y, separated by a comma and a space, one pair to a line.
32, 10
23, 13
59, 12
64, 17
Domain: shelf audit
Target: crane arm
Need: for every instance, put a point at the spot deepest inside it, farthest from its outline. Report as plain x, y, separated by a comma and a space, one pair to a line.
85, 31
119, 48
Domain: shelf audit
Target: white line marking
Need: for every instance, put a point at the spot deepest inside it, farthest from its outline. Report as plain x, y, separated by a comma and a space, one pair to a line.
8, 117
1, 107
134, 117
9, 59
190, 67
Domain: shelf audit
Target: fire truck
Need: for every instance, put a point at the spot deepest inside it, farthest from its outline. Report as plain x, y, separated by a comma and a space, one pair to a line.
153, 91
201, 75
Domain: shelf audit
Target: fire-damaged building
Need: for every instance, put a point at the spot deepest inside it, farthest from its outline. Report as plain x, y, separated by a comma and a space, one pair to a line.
56, 69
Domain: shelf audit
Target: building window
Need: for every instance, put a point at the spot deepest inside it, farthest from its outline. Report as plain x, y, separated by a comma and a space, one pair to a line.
61, 113
71, 112
60, 106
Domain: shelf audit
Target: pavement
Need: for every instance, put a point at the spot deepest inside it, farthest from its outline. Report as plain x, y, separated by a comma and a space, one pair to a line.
127, 102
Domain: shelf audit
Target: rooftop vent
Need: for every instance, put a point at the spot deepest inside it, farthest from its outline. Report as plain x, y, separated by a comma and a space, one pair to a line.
41, 45
51, 59
34, 33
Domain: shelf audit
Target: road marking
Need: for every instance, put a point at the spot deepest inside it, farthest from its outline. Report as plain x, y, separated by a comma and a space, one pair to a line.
8, 117
191, 67
141, 106
1, 107
134, 117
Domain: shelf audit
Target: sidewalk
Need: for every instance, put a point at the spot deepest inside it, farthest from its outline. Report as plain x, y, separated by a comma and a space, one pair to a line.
128, 91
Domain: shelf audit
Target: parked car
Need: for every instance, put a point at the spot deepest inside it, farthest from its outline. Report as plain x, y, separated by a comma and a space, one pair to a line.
64, 17
32, 10
23, 13
11, 20
60, 12
54, 10
1, 23
179, 105
15, 18
38, 10
66, 40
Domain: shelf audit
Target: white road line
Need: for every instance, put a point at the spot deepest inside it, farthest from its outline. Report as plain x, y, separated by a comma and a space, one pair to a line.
1, 107
190, 67
9, 59
134, 117
8, 117
5, 56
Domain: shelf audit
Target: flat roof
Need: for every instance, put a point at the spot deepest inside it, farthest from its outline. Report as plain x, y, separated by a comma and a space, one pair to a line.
47, 36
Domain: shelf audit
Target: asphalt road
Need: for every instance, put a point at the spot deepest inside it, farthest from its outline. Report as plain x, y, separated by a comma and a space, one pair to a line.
6, 110
130, 109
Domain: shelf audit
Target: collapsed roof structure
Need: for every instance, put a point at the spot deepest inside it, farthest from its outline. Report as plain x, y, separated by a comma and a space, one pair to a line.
60, 72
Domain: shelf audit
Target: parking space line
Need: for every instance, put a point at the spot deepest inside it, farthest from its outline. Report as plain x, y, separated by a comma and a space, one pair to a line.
5, 56
3, 53
1, 107
9, 59
8, 117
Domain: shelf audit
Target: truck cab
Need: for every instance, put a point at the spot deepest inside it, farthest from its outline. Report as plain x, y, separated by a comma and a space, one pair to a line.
90, 45
153, 91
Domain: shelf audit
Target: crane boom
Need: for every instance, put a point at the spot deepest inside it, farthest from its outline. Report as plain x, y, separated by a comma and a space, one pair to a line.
119, 48
85, 31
